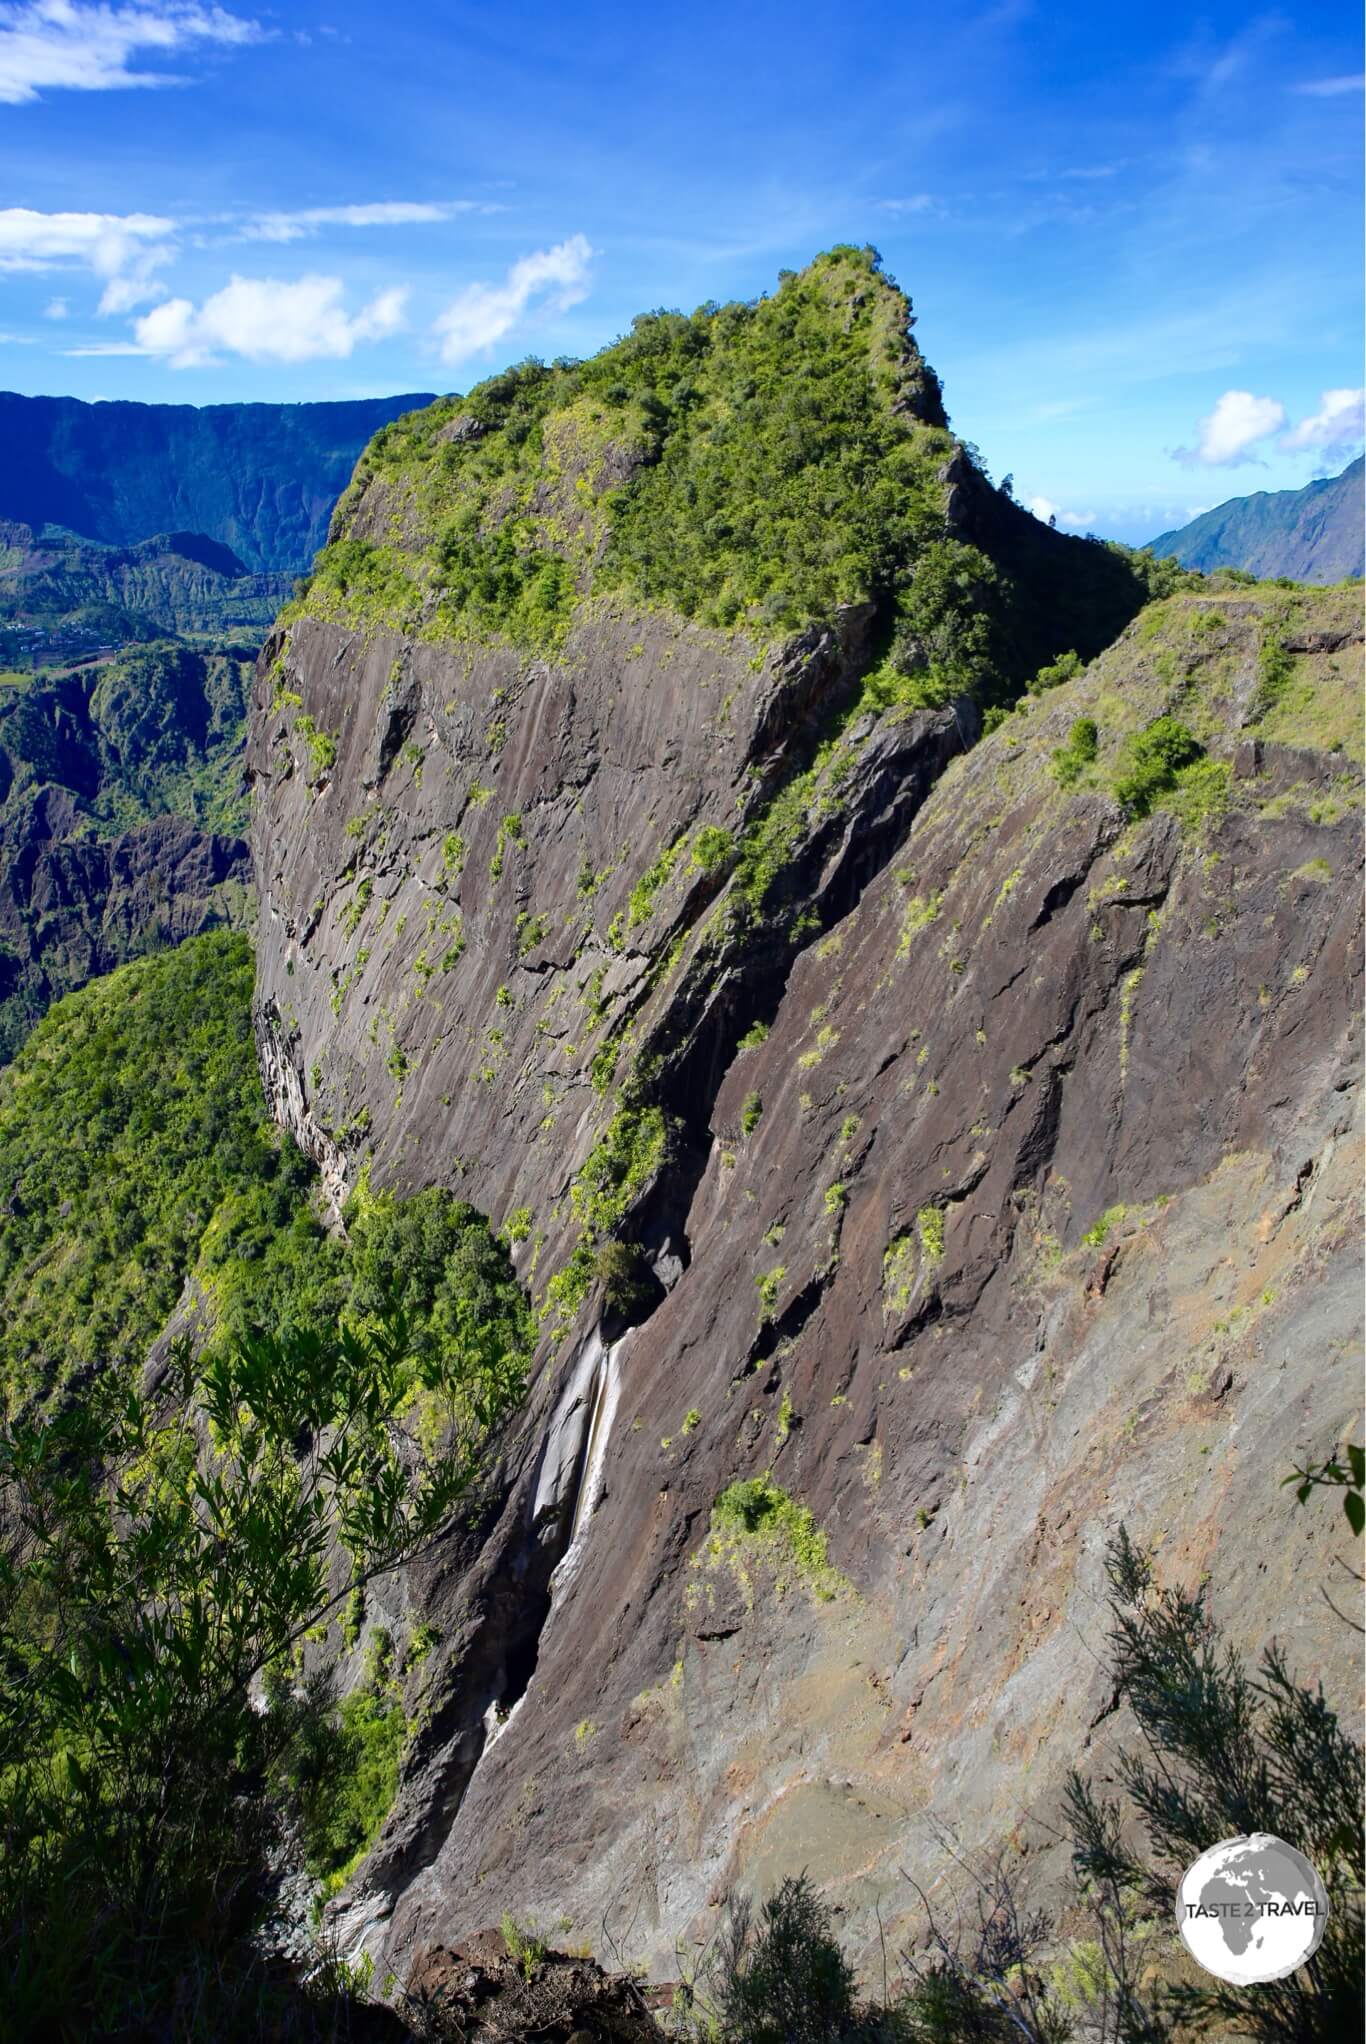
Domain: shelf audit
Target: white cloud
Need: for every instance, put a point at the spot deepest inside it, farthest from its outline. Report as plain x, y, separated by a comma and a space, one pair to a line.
1044, 507
122, 249
103, 242
918, 202
1230, 432
287, 226
1338, 425
267, 320
50, 45
1330, 88
56, 308
482, 313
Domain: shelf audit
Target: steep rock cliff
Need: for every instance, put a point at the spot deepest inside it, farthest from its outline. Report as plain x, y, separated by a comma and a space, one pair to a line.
904, 1126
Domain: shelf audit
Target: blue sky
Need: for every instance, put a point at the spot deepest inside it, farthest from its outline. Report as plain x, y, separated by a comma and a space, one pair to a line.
1132, 235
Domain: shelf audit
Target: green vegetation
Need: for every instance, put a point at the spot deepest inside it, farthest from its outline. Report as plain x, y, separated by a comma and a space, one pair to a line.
157, 1561
751, 466
1152, 763
620, 1165
132, 1126
1347, 1474
711, 848
755, 1508
1065, 668
770, 1283
1100, 1230
929, 1226
340, 1771
1070, 761
751, 1113
136, 1140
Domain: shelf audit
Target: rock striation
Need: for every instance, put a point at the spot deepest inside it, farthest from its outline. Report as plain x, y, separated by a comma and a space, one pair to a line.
920, 1129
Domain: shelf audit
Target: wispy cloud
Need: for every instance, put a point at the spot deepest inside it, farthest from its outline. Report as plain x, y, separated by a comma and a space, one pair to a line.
1230, 432
481, 314
265, 319
71, 46
1338, 426
311, 220
918, 202
124, 250
1331, 88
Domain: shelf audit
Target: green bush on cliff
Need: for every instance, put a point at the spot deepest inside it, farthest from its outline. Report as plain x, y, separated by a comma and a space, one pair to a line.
1152, 762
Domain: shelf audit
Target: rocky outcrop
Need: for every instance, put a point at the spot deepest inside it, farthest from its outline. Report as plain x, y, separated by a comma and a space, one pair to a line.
876, 1113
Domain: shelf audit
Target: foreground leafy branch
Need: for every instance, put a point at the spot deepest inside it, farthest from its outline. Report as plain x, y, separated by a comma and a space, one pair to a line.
154, 1561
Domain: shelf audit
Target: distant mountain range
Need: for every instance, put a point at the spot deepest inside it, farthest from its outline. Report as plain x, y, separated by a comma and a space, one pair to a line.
61, 596
1312, 535
259, 479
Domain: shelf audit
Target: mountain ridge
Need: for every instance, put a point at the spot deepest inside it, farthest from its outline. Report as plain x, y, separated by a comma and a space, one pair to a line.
258, 478
843, 1080
1310, 535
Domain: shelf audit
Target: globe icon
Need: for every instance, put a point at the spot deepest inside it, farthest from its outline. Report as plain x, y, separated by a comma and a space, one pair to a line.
1251, 1909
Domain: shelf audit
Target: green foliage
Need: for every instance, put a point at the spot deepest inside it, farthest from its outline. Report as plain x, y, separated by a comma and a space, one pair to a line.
756, 1034
642, 901
1070, 761
929, 1226
711, 848
620, 1165
525, 1948
768, 475
1152, 763
1347, 1474
157, 1559
783, 1979
1099, 1231
770, 1283
1223, 1752
132, 1131
620, 1269
751, 1113
339, 1772
757, 1508
1065, 668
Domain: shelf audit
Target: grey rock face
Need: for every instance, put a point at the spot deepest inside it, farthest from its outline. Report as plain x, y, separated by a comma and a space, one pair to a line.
1028, 1208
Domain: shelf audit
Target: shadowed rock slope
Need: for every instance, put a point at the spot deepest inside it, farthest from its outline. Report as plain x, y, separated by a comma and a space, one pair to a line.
923, 1153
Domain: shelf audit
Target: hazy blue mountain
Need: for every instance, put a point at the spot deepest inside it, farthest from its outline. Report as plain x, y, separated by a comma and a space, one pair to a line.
260, 479
1312, 535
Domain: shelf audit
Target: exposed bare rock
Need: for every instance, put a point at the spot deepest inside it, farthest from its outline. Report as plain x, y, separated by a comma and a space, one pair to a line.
988, 1160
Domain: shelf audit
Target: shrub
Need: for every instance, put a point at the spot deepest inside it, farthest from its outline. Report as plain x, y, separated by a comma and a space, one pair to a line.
1065, 668
1069, 761
782, 1979
1153, 762
1222, 1752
